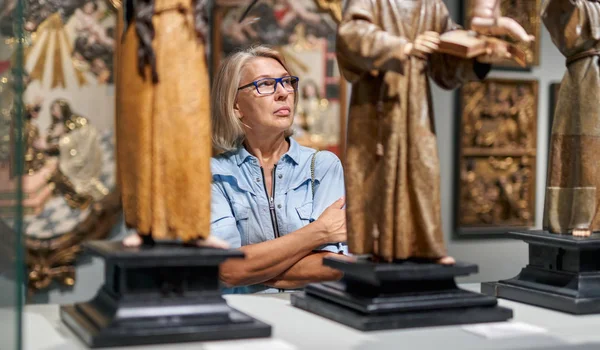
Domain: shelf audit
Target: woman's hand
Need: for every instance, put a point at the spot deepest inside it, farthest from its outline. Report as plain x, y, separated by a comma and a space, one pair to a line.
333, 221
425, 44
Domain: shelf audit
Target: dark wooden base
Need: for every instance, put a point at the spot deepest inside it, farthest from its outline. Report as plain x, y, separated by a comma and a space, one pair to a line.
240, 326
585, 346
379, 296
159, 294
563, 273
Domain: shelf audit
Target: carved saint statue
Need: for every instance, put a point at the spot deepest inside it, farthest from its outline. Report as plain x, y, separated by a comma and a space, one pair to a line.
388, 50
573, 192
163, 121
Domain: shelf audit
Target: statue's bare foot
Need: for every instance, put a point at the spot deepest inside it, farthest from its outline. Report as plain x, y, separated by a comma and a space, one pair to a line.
582, 232
447, 260
212, 242
133, 240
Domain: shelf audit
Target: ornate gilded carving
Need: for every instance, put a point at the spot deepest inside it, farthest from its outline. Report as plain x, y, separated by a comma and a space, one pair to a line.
53, 259
497, 154
83, 30
527, 14
70, 193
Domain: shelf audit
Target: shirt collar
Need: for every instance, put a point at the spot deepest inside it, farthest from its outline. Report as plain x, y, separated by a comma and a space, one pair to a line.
294, 152
242, 154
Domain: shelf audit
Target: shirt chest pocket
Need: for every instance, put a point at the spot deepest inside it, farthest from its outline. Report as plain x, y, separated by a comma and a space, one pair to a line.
301, 216
241, 212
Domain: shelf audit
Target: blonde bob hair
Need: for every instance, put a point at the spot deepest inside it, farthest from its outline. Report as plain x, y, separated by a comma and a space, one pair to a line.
227, 131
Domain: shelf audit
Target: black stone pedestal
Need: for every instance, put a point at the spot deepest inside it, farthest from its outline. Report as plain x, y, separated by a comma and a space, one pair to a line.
159, 294
377, 296
563, 273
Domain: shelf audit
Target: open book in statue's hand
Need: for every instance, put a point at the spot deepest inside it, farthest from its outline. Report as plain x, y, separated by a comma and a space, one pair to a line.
468, 44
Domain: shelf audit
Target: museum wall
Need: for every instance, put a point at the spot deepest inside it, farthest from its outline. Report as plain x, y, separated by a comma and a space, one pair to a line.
497, 258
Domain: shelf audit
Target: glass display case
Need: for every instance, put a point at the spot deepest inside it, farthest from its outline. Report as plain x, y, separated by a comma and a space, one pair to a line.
12, 159
66, 102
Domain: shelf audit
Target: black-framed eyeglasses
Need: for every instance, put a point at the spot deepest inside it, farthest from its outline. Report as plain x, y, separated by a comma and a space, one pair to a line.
268, 86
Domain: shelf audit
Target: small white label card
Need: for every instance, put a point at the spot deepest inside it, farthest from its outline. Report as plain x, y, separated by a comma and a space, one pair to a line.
498, 330
249, 344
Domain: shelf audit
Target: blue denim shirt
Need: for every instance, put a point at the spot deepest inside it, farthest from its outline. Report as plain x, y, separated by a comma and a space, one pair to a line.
240, 211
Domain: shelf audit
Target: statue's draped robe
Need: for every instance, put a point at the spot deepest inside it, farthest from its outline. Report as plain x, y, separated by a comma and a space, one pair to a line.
395, 197
163, 129
573, 192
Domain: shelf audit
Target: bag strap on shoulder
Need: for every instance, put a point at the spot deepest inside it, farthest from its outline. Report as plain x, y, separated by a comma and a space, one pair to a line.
312, 173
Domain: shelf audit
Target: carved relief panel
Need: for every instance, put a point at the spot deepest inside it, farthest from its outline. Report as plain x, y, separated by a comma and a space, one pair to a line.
497, 155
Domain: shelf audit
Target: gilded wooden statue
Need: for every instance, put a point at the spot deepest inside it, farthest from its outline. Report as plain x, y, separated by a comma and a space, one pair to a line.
572, 195
388, 50
163, 121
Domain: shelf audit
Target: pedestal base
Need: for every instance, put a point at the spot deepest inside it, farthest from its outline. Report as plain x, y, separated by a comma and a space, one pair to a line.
563, 273
159, 294
399, 295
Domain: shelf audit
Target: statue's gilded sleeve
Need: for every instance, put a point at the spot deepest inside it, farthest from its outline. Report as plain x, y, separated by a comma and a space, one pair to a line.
363, 45
572, 24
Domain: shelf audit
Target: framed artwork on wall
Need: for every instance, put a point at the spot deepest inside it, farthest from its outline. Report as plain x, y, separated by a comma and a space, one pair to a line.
527, 14
304, 32
496, 157
69, 180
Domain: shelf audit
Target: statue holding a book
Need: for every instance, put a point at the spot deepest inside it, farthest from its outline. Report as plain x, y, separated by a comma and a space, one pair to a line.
388, 50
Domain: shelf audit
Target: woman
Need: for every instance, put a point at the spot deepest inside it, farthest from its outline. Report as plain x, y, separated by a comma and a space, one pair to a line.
262, 193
